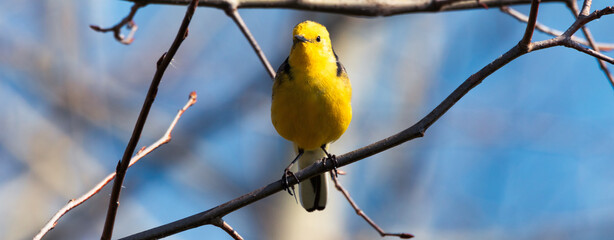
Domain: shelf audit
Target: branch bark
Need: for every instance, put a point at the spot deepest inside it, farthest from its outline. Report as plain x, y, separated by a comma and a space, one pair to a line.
122, 166
351, 7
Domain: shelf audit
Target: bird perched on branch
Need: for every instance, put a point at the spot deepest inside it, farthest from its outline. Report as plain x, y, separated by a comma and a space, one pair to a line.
311, 105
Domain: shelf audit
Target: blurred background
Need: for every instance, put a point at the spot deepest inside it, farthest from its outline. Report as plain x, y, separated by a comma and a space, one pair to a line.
528, 154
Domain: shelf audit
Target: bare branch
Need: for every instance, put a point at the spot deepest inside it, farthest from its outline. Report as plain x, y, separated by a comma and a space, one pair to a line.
122, 166
553, 32
219, 222
142, 153
528, 33
351, 7
597, 48
589, 38
359, 211
562, 41
586, 8
565, 39
127, 21
573, 6
584, 19
232, 12
600, 56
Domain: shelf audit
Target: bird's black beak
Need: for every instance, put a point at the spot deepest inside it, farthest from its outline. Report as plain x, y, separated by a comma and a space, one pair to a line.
300, 38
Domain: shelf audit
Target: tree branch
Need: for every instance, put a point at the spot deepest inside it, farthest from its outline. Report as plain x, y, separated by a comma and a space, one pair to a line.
359, 211
127, 21
351, 7
122, 166
553, 32
140, 154
232, 12
588, 42
528, 33
567, 42
584, 19
219, 222
573, 6
565, 39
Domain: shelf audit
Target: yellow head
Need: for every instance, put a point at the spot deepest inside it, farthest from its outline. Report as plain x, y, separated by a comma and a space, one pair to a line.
311, 43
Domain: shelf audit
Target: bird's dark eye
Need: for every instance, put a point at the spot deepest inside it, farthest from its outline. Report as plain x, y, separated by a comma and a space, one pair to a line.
318, 38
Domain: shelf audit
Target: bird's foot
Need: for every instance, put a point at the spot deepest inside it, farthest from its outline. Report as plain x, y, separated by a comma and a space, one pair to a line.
333, 159
286, 184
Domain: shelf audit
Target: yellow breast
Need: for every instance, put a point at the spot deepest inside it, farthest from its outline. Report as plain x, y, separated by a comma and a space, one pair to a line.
311, 104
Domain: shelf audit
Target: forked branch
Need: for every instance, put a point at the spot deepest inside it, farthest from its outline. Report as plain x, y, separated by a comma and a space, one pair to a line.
553, 32
597, 47
573, 6
127, 21
139, 155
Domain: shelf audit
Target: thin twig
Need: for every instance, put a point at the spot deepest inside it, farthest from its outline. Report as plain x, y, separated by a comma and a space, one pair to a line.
553, 32
597, 48
600, 56
219, 222
359, 211
586, 8
127, 21
588, 42
565, 39
232, 12
573, 6
370, 8
582, 20
140, 154
122, 166
528, 33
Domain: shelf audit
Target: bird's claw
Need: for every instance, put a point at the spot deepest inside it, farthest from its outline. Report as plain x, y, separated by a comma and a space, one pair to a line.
333, 159
286, 184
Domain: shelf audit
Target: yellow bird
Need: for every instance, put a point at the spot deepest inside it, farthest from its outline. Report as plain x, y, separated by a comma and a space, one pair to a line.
311, 105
